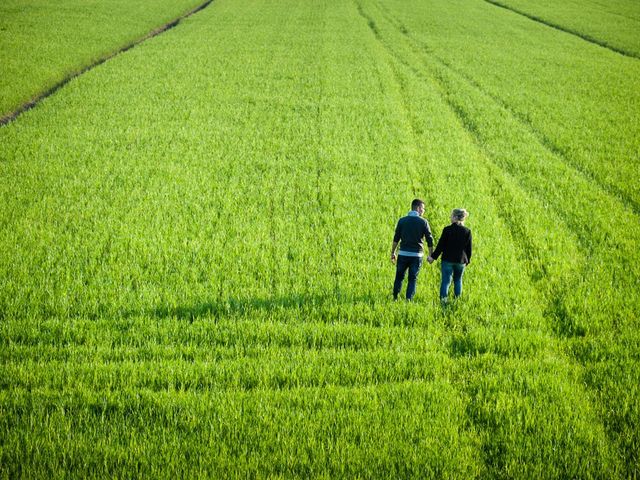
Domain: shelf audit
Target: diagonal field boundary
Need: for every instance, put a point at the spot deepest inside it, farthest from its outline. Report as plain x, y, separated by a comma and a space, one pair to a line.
570, 31
9, 117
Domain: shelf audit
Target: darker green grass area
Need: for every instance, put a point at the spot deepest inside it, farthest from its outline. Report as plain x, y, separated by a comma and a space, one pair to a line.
394, 430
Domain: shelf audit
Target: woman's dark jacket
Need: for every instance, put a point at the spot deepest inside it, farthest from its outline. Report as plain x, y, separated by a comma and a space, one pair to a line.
454, 244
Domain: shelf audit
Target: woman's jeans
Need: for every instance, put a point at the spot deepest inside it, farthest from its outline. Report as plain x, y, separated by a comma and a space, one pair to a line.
403, 264
449, 270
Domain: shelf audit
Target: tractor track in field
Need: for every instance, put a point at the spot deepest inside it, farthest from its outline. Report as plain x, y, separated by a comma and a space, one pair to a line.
11, 116
610, 191
556, 306
561, 324
575, 33
519, 237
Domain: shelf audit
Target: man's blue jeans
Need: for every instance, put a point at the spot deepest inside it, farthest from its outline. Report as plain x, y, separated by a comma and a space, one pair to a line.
404, 263
449, 270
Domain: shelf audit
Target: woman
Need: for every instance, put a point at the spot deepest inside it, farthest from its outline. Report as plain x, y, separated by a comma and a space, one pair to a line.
455, 247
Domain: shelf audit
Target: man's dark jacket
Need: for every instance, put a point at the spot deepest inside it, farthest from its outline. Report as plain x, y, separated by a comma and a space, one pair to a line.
410, 232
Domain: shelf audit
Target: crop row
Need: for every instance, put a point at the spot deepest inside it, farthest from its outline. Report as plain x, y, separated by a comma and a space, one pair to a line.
224, 369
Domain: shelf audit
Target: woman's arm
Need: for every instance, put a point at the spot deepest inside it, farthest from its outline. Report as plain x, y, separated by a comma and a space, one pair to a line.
441, 243
468, 248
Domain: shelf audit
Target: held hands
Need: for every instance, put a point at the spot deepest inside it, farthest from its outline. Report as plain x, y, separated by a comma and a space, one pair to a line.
430, 259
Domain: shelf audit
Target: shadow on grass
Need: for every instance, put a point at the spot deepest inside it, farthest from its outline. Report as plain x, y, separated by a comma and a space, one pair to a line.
323, 306
298, 303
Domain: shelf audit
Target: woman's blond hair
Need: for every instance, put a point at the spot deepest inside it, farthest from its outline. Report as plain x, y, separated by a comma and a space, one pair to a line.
459, 214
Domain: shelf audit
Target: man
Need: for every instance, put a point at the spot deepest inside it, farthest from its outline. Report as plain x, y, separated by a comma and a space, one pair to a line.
410, 232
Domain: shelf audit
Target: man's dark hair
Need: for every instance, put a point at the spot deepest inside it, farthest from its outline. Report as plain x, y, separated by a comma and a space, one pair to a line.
416, 203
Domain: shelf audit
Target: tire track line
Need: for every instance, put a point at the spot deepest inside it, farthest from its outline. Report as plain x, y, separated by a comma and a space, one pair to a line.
503, 183
555, 310
11, 116
499, 186
417, 186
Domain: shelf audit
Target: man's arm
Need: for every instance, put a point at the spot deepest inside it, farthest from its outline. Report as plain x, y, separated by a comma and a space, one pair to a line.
433, 255
396, 240
394, 245
428, 236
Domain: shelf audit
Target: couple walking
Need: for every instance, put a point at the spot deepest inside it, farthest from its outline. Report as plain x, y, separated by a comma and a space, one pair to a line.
454, 245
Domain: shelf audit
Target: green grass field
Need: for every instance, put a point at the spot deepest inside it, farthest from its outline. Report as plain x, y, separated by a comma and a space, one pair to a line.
194, 272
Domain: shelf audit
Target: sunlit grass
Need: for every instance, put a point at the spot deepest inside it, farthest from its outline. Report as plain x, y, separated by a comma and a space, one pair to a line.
194, 278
